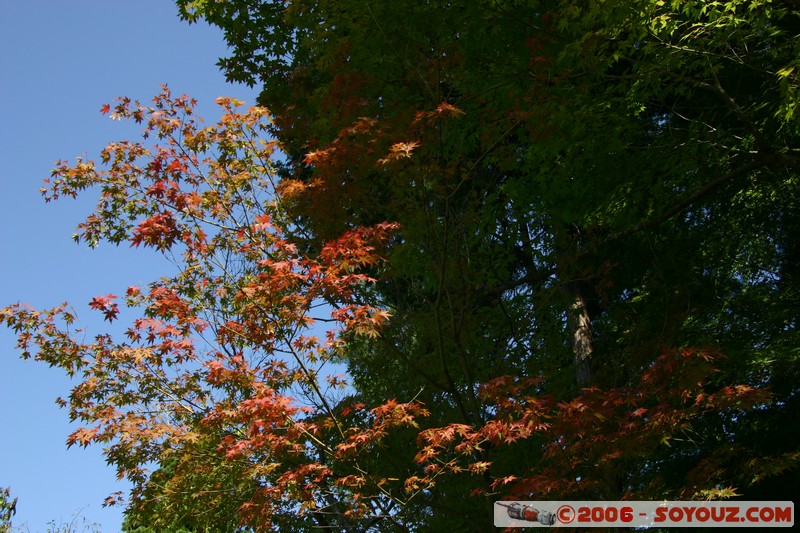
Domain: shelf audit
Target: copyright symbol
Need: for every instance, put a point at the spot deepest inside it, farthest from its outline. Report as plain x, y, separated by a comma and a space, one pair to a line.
565, 514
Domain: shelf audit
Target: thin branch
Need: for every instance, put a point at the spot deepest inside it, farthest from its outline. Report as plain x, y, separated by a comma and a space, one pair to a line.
685, 203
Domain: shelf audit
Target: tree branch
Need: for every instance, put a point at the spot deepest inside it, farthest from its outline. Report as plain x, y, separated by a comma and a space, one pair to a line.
685, 203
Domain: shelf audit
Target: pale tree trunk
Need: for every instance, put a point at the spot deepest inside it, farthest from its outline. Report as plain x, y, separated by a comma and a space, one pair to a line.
582, 337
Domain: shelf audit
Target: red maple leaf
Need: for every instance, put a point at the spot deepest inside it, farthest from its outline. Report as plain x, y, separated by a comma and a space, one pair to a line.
106, 305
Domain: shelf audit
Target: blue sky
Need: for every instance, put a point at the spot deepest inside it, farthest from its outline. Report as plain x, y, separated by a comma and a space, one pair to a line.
59, 62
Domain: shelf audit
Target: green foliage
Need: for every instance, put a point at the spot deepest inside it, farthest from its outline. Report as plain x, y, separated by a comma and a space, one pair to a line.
8, 508
641, 155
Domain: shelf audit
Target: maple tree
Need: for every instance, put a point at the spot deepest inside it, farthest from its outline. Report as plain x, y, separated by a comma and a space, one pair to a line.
221, 371
551, 245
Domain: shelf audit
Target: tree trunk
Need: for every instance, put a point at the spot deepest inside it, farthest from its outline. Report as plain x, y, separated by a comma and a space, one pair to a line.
582, 337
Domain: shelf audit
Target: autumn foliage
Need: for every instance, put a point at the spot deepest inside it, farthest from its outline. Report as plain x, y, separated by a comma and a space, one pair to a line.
445, 268
225, 375
226, 356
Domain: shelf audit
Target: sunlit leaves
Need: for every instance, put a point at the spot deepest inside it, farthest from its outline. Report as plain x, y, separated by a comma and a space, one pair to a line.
594, 436
221, 361
458, 179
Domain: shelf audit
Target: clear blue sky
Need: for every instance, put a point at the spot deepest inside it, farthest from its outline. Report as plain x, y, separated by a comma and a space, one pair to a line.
59, 62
